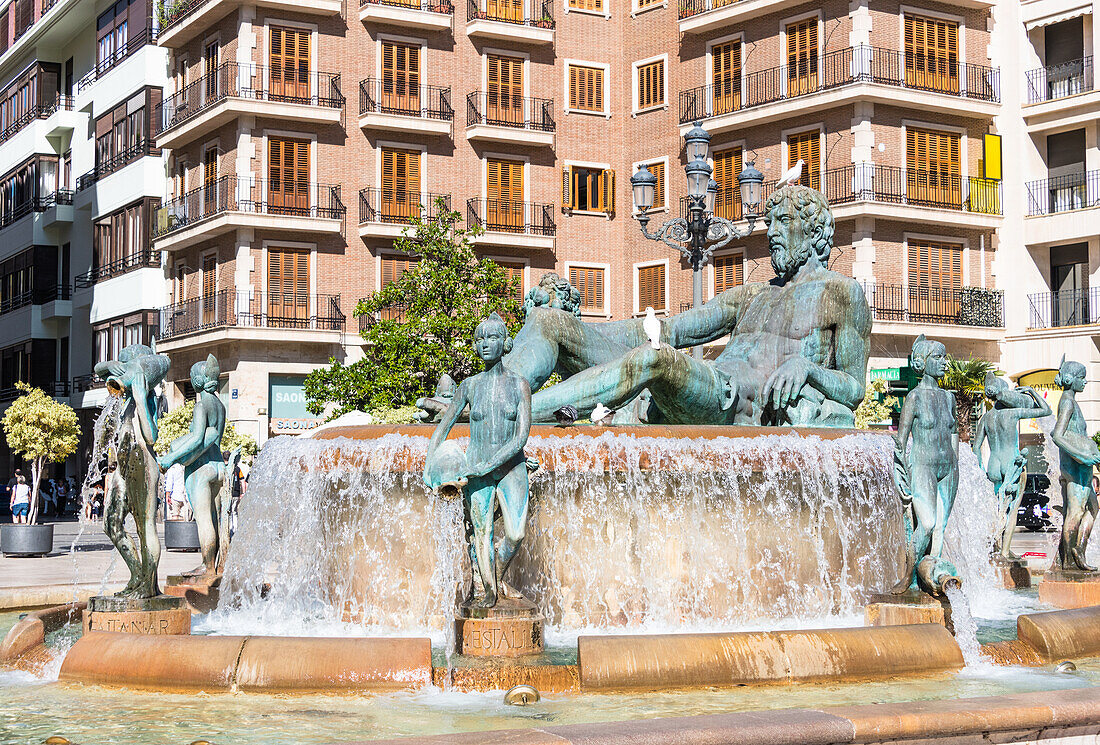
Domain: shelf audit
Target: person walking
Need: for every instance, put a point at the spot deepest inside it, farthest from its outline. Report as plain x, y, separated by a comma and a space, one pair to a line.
20, 501
175, 493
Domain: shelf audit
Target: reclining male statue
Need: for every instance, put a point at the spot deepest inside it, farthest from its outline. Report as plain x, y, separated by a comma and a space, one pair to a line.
797, 349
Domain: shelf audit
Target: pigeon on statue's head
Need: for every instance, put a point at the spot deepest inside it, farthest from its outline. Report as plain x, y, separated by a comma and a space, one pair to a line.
793, 174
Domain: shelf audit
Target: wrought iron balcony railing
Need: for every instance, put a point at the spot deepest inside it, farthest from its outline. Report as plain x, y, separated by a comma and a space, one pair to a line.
537, 13
520, 112
430, 6
270, 310
404, 99
137, 260
41, 111
390, 206
1073, 191
1078, 307
1060, 81
873, 182
957, 306
511, 217
34, 296
87, 382
54, 198
254, 82
111, 61
258, 196
132, 153
55, 388
849, 66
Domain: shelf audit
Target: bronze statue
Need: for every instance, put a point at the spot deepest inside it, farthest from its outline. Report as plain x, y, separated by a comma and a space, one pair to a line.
797, 352
133, 474
1006, 467
927, 476
206, 475
1079, 455
494, 469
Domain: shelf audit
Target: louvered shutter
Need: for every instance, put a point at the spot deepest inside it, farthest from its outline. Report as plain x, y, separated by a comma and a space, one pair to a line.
210, 181
727, 166
505, 195
728, 272
400, 184
651, 84
209, 289
658, 170
287, 287
932, 54
514, 270
726, 76
288, 176
400, 77
934, 170
505, 93
607, 191
585, 88
589, 283
651, 287
289, 60
566, 188
806, 146
802, 57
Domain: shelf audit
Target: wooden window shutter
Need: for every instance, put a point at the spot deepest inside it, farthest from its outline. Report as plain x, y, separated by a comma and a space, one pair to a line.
400, 76
806, 146
729, 272
210, 166
607, 191
209, 275
934, 170
287, 286
394, 266
935, 264
651, 84
931, 53
658, 170
802, 57
651, 287
400, 182
726, 76
505, 93
589, 283
585, 88
593, 5
566, 188
514, 270
288, 175
727, 166
289, 60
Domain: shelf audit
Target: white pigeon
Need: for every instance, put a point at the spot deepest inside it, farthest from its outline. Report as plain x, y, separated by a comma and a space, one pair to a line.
652, 327
600, 413
793, 174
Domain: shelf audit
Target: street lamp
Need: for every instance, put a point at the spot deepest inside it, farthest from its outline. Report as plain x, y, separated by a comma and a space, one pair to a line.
702, 231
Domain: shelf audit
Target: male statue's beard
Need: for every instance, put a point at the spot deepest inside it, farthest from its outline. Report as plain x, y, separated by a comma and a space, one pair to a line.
786, 262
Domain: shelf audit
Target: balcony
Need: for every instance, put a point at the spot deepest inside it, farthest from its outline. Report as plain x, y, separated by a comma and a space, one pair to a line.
516, 224
424, 15
1058, 208
1061, 95
37, 113
1065, 308
37, 296
229, 203
235, 90
522, 21
183, 20
120, 55
897, 189
964, 312
384, 213
513, 120
139, 260
55, 388
700, 16
126, 157
87, 382
246, 314
397, 106
841, 77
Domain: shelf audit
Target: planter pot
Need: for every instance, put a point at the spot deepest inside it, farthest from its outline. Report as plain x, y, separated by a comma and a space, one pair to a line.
26, 540
181, 535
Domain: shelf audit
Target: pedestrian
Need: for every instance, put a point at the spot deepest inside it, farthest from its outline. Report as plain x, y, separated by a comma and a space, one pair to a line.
20, 501
175, 494
48, 497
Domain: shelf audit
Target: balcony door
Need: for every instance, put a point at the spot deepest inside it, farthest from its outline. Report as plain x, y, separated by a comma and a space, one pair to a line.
289, 65
504, 210
727, 165
209, 290
505, 10
802, 57
1069, 278
210, 181
400, 184
933, 171
210, 73
935, 276
806, 147
400, 78
287, 288
288, 176
931, 54
505, 104
726, 76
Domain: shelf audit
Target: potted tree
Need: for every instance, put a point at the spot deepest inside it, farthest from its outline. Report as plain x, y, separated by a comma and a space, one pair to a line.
40, 430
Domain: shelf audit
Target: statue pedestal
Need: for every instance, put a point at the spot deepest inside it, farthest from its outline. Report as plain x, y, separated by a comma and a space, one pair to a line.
160, 615
1014, 572
511, 628
199, 593
1070, 588
912, 606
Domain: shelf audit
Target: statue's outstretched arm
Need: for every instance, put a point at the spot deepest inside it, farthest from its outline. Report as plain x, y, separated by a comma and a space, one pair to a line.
1038, 411
514, 444
1083, 455
709, 322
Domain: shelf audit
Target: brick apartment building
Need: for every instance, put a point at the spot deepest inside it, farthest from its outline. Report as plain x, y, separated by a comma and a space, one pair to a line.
283, 144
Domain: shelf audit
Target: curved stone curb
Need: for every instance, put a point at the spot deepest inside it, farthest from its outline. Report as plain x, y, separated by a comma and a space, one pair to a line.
660, 661
214, 663
31, 630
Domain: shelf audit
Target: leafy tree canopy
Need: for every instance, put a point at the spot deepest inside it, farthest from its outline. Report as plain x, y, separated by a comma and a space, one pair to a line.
877, 404
40, 430
177, 422
422, 325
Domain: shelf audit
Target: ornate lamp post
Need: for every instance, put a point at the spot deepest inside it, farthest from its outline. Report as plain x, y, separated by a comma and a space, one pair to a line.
702, 231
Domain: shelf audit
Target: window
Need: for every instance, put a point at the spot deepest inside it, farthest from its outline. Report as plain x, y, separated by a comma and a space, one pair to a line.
651, 84
400, 184
210, 180
287, 287
400, 77
209, 288
589, 283
514, 271
933, 170
505, 104
727, 166
932, 54
935, 272
122, 133
596, 6
802, 54
289, 79
288, 176
807, 147
643, 4
121, 240
651, 287
729, 272
657, 168
392, 269
726, 76
505, 207
588, 189
113, 32
586, 88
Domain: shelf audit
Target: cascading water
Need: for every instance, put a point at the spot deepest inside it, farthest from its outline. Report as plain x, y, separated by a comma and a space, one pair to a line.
966, 628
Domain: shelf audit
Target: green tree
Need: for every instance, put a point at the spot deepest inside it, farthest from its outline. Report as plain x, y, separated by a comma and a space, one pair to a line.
40, 430
420, 326
966, 379
177, 422
876, 405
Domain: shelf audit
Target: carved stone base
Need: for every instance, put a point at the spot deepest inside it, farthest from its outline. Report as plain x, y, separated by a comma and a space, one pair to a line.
912, 606
512, 628
200, 593
1070, 588
158, 615
498, 677
1013, 572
